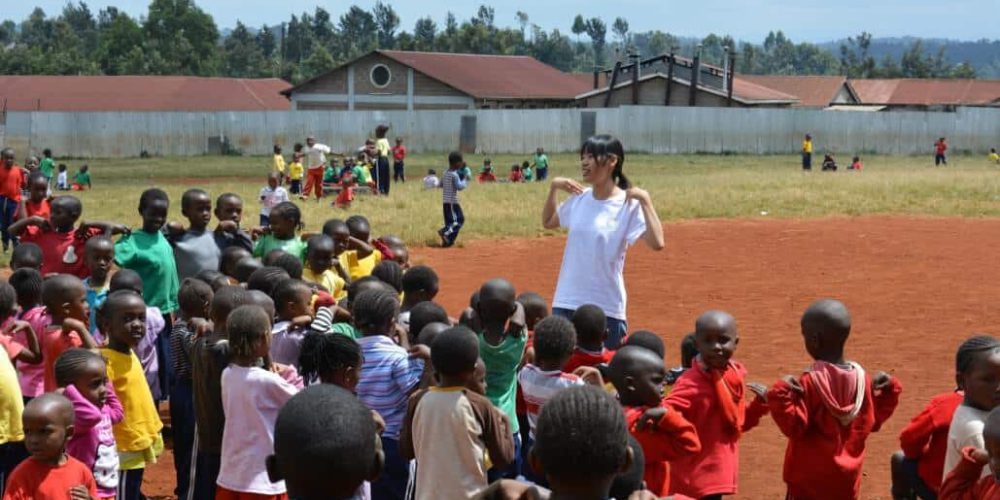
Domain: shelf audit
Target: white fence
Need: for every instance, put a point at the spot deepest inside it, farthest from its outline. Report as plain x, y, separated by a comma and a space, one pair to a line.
642, 128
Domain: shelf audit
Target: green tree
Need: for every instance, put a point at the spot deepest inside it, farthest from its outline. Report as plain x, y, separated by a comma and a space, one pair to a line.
242, 56
855, 59
267, 42
358, 32
322, 27
184, 35
522, 21
120, 42
620, 28
424, 33
318, 63
579, 25
84, 26
388, 22
597, 31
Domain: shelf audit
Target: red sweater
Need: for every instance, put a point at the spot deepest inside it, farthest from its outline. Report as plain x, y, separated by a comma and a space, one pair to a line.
672, 438
925, 438
715, 469
964, 482
818, 442
581, 357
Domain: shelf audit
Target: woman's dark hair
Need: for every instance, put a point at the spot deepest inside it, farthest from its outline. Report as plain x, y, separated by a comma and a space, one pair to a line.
380, 130
289, 211
390, 273
324, 353
600, 147
69, 363
973, 348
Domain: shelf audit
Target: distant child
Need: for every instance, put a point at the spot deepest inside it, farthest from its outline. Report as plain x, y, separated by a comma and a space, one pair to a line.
398, 158
828, 412
712, 396
285, 220
856, 164
541, 164
515, 174
829, 164
60, 239
527, 172
918, 469
315, 155
81, 180
291, 301
295, 171
450, 430
940, 148
323, 268
453, 216
62, 180
431, 180
591, 328
977, 361
66, 301
12, 181
48, 165
420, 284
388, 377
27, 283
26, 255
37, 202
486, 174
381, 158
49, 473
270, 196
251, 398
123, 321
278, 165
99, 254
974, 478
807, 153
994, 157
360, 258
83, 377
664, 434
148, 253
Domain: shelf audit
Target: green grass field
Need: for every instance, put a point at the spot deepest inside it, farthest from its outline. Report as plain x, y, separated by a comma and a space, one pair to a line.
682, 187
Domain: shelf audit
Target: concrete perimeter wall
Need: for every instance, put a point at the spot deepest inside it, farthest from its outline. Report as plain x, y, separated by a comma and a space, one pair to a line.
643, 129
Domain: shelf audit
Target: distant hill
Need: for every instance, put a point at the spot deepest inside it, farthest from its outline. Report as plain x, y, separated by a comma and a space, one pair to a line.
984, 55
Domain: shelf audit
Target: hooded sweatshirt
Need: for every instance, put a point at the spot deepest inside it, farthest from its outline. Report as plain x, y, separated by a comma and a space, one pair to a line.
827, 426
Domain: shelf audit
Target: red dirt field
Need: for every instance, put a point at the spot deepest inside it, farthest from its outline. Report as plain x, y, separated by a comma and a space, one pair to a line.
916, 288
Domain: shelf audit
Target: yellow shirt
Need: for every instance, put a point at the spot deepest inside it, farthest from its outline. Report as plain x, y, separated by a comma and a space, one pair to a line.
995, 158
359, 268
140, 428
807, 146
382, 146
279, 164
328, 279
11, 404
295, 171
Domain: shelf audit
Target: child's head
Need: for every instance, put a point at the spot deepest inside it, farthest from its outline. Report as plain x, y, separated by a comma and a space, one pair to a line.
539, 151
359, 227
455, 160
647, 340
374, 311
66, 211
591, 327
575, 467
266, 279
7, 157
85, 168
689, 350
122, 319
390, 273
277, 149
46, 153
977, 371
153, 206
601, 159
48, 424
261, 300
630, 481
991, 438
285, 220
214, 279
535, 308
290, 263
555, 339
272, 180
487, 162
8, 300
432, 172
425, 313
808, 137
496, 301
249, 330
230, 256
26, 255
716, 337
126, 279
195, 299
62, 167
856, 159
86, 371
316, 463
399, 140
245, 268
637, 373
430, 332
515, 168
291, 299
320, 253
38, 186
454, 354
225, 300
99, 255
229, 206
65, 297
27, 283
337, 230
525, 165
380, 130
31, 163
420, 284
993, 150
477, 383
826, 325
331, 358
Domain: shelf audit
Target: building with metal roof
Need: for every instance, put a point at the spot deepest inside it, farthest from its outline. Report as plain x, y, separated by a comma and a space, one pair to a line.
813, 91
927, 93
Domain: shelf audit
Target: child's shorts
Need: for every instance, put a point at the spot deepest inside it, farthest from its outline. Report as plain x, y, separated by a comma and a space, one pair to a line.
224, 494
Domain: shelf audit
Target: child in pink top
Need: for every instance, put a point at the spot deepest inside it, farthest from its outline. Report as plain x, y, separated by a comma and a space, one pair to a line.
27, 282
83, 377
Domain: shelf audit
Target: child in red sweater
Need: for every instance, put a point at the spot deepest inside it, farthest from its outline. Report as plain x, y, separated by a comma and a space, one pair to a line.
591, 332
967, 482
918, 468
828, 412
665, 435
711, 395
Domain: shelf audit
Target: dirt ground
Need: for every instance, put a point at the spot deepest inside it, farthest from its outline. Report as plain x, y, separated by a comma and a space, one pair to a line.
916, 288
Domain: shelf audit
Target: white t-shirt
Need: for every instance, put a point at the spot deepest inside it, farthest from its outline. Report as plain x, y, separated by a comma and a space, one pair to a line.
966, 430
316, 154
431, 182
269, 198
251, 399
600, 232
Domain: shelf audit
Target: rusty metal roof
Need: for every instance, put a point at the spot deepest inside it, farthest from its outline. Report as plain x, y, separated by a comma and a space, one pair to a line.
743, 91
141, 93
813, 91
927, 92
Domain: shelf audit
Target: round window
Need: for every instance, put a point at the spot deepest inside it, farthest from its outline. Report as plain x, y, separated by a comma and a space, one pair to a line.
380, 75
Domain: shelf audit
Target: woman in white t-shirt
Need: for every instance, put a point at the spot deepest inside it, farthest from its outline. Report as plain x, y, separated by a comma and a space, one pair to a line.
603, 221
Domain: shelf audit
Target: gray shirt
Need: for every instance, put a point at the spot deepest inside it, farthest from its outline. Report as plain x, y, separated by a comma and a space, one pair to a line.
196, 251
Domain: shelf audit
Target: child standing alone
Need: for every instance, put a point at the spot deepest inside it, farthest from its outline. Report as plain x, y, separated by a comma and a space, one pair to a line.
453, 216
270, 196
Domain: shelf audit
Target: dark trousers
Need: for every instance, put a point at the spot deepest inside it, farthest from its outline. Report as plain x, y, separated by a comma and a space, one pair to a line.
295, 186
130, 485
382, 174
206, 472
182, 423
398, 172
453, 221
513, 470
11, 455
939, 159
542, 174
807, 161
8, 210
391, 485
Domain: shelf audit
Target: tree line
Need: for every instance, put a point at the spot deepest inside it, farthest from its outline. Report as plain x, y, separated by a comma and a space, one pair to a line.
176, 37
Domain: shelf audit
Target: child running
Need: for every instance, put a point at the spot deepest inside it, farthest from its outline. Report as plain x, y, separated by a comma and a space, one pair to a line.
978, 372
453, 216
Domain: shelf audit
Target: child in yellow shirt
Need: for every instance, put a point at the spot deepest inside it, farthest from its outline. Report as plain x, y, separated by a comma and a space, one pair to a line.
359, 263
994, 157
278, 164
322, 268
295, 171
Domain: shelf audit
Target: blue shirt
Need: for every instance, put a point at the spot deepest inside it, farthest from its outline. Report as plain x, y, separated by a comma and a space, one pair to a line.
95, 297
387, 378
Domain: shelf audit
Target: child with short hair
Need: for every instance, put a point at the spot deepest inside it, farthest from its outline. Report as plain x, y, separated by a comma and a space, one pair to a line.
993, 156
452, 431
232, 256
526, 171
26, 255
856, 164
591, 328
27, 283
650, 340
62, 180
251, 399
270, 196
60, 240
711, 395
515, 174
829, 164
229, 211
546, 375
541, 164
828, 413
154, 338
917, 470
420, 284
65, 300
486, 174
452, 184
148, 253
424, 314
291, 300
49, 473
37, 202
431, 180
278, 165
323, 269
285, 220
99, 255
360, 258
123, 320
13, 181
82, 376
940, 148
398, 158
48, 165
977, 366
81, 180
972, 479
295, 171
195, 249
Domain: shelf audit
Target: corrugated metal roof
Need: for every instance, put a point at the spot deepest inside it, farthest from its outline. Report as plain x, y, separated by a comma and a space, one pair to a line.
750, 91
743, 91
813, 91
927, 92
141, 93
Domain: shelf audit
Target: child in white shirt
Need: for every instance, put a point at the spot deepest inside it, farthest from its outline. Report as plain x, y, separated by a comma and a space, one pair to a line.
431, 181
270, 196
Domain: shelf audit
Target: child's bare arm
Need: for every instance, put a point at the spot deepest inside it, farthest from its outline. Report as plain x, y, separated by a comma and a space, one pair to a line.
32, 352
81, 329
18, 227
362, 247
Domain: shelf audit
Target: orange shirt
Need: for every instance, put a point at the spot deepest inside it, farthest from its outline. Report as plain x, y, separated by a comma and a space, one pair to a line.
11, 181
56, 341
33, 480
41, 209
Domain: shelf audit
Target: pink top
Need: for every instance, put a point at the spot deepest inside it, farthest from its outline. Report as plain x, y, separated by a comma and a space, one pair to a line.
32, 377
93, 441
251, 398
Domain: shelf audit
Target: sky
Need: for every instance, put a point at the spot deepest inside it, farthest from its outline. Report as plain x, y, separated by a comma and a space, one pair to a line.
747, 20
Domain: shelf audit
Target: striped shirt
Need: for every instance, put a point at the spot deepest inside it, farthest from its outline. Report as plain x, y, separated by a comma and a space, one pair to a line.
452, 184
538, 387
387, 378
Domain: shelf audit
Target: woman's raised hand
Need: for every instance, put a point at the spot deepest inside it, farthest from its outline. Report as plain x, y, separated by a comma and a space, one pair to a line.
566, 184
638, 194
